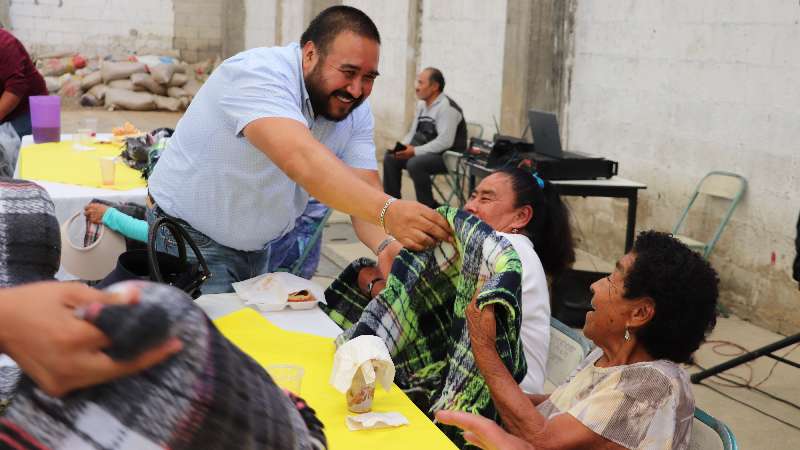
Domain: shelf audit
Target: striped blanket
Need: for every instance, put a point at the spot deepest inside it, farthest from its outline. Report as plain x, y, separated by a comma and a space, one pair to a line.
420, 315
210, 395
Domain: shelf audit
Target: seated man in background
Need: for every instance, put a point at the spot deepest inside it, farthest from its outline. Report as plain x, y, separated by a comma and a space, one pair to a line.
438, 125
19, 80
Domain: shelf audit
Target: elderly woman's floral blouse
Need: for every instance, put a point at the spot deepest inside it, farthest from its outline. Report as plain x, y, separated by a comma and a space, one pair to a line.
646, 405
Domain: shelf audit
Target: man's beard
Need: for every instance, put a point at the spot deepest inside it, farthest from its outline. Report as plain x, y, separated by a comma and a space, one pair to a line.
320, 100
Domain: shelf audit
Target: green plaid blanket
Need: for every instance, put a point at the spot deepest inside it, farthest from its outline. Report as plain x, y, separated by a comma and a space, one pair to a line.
420, 315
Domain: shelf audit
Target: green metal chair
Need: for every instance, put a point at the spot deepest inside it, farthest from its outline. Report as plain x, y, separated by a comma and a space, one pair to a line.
709, 433
456, 175
721, 185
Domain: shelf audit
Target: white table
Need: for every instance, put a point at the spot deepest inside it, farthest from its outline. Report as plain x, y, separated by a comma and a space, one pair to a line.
70, 198
312, 321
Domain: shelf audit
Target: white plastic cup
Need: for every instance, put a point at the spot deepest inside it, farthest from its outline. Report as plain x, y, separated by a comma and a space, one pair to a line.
107, 169
287, 376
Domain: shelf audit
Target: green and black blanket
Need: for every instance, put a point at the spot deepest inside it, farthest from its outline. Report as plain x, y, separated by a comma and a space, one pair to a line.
420, 315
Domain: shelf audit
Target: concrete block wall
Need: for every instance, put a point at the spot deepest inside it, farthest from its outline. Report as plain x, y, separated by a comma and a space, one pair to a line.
260, 23
94, 26
465, 40
389, 94
199, 28
673, 90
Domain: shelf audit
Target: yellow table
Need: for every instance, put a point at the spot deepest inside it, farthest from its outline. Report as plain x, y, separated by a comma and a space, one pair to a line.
58, 162
268, 344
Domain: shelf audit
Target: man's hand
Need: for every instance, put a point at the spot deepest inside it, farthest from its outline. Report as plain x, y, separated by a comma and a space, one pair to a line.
94, 212
481, 325
406, 153
58, 350
482, 432
415, 225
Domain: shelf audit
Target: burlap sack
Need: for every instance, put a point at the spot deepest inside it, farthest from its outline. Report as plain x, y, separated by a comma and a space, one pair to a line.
147, 82
192, 86
53, 84
178, 79
88, 99
125, 84
176, 92
99, 91
120, 70
167, 103
91, 79
162, 72
124, 99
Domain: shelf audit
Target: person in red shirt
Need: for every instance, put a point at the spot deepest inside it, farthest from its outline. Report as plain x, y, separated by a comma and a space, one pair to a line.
19, 80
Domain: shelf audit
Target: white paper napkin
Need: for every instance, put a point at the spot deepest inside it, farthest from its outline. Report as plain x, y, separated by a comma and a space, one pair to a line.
373, 420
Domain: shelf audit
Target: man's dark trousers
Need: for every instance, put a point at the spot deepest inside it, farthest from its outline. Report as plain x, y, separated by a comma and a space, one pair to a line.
420, 168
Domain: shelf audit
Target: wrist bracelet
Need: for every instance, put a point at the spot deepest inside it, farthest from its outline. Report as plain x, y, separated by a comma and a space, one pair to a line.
371, 285
385, 243
389, 201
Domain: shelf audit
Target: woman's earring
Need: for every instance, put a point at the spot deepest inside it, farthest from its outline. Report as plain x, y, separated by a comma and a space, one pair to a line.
627, 334
515, 230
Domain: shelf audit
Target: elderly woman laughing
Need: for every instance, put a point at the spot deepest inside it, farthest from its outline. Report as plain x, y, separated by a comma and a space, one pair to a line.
649, 316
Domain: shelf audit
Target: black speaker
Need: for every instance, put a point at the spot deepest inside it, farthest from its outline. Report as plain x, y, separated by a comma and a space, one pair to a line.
571, 297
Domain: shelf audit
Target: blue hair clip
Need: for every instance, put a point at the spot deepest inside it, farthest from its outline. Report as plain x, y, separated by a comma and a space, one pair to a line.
538, 179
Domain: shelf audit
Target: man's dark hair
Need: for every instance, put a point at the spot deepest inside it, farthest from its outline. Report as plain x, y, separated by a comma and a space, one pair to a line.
435, 76
684, 288
324, 28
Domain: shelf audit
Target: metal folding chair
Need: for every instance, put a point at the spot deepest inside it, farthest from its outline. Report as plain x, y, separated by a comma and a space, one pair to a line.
709, 433
716, 184
456, 172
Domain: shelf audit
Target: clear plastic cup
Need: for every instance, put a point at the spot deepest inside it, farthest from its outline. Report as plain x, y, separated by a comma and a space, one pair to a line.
82, 140
107, 169
287, 376
360, 395
89, 124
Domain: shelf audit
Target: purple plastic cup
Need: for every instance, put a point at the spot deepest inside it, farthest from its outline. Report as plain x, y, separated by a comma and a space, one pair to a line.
46, 118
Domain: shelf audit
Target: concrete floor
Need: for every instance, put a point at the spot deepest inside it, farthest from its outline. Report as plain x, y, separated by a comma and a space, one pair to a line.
735, 406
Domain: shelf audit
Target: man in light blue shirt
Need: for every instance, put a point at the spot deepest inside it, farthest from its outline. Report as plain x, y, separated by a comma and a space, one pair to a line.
270, 127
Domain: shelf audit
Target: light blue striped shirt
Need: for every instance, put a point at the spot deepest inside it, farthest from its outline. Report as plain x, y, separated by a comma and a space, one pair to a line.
212, 177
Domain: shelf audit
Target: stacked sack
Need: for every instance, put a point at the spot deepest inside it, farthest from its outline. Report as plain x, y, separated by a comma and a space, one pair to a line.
139, 83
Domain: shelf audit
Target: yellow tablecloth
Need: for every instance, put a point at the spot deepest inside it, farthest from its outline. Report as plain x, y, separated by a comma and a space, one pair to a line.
268, 344
58, 162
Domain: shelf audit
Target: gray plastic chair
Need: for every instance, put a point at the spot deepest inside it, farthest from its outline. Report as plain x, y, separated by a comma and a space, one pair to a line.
567, 350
